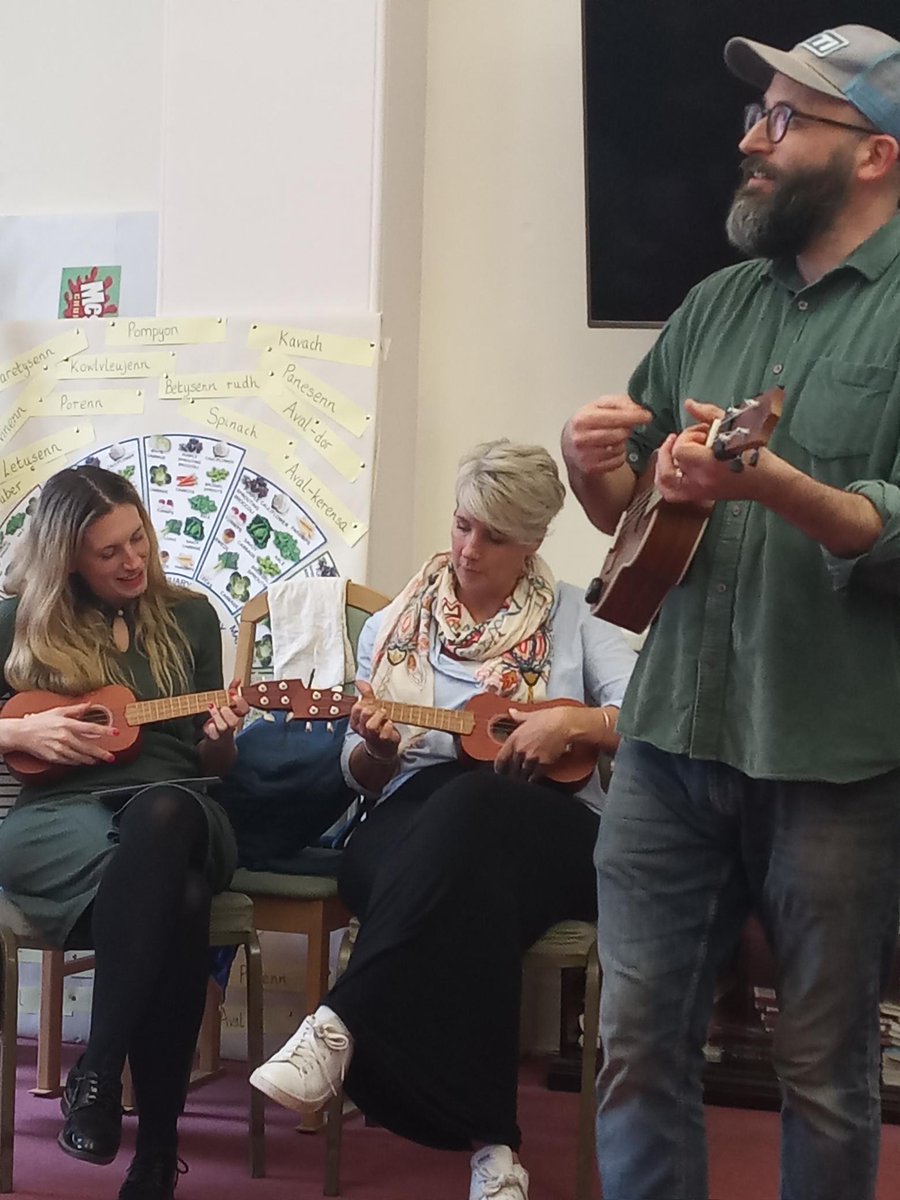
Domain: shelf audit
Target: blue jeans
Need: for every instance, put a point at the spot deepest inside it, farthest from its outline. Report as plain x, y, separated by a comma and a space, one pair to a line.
686, 849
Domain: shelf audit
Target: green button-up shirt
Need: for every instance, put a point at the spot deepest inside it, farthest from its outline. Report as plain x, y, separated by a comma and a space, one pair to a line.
772, 655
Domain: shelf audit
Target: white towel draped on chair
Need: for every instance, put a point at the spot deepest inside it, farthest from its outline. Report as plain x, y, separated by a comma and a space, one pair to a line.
309, 631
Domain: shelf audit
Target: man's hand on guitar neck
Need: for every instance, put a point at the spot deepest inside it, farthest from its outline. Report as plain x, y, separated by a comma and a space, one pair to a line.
687, 471
846, 524
594, 445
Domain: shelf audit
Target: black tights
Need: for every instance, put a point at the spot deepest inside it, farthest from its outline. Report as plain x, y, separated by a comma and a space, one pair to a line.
149, 925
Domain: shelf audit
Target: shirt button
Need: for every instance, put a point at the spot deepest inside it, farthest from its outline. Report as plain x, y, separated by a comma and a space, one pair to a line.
803, 305
777, 369
721, 587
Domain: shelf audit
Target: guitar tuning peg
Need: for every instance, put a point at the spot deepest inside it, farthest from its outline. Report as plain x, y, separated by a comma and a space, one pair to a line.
329, 725
309, 726
268, 716
288, 717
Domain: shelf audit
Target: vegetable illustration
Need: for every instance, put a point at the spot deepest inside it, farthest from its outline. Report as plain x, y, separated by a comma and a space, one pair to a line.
238, 586
193, 528
227, 561
159, 475
15, 523
185, 481
260, 530
127, 472
203, 504
286, 545
173, 526
264, 650
268, 567
217, 474
191, 446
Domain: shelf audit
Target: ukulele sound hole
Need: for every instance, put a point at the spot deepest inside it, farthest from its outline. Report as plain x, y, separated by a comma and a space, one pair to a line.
97, 715
501, 728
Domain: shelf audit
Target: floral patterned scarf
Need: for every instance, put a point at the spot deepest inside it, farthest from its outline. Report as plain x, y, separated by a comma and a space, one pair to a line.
512, 648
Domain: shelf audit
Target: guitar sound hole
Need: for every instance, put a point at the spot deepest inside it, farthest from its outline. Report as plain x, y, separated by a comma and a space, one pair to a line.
501, 728
97, 715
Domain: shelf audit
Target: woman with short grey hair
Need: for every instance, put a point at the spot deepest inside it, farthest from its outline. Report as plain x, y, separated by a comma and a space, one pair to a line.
457, 872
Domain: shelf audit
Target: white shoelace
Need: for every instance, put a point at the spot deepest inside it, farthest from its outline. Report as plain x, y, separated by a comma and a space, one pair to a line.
496, 1184
307, 1056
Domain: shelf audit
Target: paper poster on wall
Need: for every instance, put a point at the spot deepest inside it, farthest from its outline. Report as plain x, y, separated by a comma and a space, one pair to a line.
238, 498
78, 266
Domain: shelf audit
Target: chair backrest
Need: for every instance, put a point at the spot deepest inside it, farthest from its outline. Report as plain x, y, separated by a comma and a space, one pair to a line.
361, 602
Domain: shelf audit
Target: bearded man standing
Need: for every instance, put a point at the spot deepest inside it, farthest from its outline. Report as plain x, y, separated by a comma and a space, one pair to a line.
761, 764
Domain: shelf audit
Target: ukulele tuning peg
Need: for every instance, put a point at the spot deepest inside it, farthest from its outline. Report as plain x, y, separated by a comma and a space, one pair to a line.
329, 725
268, 716
309, 726
288, 717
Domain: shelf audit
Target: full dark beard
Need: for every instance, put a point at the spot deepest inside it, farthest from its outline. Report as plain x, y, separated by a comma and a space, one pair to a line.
801, 206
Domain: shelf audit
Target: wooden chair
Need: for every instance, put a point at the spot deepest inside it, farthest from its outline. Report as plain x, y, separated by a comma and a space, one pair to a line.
231, 924
305, 904
567, 944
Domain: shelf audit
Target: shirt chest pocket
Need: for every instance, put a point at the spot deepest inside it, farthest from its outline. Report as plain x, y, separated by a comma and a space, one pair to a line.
838, 413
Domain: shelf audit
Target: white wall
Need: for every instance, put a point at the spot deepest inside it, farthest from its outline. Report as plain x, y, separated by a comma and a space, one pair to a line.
80, 87
505, 348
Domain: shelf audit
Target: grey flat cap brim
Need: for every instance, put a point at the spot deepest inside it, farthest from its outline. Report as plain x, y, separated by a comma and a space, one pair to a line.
756, 63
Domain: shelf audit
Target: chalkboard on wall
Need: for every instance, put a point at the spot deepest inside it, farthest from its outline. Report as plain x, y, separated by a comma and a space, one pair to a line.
662, 119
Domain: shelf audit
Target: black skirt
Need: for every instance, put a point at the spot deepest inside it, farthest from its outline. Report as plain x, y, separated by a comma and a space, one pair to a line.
454, 877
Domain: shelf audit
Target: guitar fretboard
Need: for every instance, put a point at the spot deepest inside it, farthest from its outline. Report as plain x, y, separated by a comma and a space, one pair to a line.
145, 712
448, 720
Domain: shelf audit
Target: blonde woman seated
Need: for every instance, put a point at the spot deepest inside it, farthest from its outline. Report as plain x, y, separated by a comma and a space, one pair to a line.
457, 872
121, 856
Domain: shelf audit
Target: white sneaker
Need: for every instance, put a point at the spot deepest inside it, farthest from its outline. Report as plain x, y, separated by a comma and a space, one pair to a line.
497, 1176
308, 1068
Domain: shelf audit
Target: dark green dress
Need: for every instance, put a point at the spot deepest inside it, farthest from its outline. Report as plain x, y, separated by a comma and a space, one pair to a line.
57, 839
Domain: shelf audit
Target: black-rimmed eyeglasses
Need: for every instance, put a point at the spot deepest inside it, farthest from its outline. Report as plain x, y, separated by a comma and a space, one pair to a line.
778, 119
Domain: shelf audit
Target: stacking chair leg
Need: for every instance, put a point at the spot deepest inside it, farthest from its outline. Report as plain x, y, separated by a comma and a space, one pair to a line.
587, 1105
333, 1132
49, 1061
9, 1018
255, 1054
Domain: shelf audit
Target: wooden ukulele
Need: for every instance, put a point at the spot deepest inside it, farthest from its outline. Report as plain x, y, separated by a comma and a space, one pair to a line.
115, 707
656, 539
480, 727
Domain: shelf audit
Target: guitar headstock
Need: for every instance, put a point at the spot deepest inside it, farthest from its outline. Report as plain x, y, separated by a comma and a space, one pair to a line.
293, 697
748, 425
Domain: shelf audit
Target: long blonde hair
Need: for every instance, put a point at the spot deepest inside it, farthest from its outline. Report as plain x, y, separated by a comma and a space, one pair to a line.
62, 639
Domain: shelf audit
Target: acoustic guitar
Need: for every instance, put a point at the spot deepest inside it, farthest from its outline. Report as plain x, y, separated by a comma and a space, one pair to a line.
656, 540
480, 727
112, 707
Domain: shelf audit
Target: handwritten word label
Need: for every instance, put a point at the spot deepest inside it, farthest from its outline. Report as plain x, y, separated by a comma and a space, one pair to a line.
115, 402
316, 433
317, 499
210, 386
311, 343
45, 357
31, 465
118, 365
165, 331
282, 375
228, 421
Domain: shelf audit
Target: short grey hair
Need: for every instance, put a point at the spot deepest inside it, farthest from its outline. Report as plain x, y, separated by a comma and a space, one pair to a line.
512, 488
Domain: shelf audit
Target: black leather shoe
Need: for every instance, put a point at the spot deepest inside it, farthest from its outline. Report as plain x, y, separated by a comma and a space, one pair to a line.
92, 1104
152, 1176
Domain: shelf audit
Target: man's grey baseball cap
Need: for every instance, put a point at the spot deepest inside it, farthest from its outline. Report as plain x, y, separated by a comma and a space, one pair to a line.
851, 62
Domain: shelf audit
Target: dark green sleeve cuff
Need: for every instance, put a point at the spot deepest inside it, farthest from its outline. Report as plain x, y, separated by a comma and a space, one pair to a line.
879, 567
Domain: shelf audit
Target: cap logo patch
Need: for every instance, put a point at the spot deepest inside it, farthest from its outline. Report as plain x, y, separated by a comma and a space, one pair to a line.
825, 43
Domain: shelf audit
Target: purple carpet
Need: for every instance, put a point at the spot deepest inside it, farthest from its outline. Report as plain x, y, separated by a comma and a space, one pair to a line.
376, 1165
